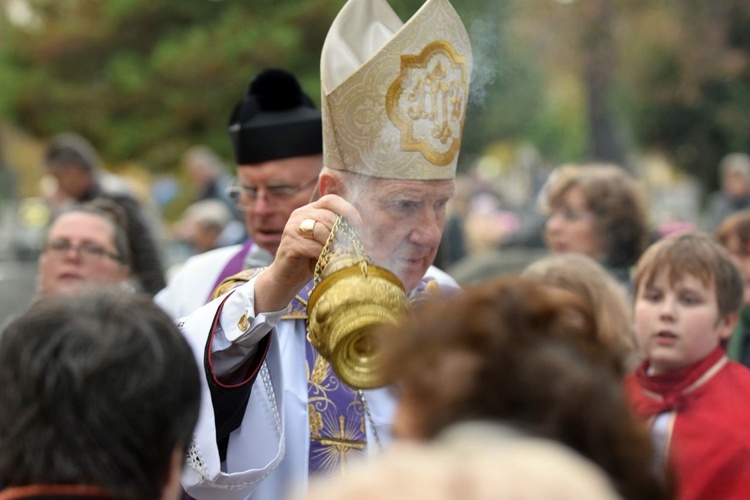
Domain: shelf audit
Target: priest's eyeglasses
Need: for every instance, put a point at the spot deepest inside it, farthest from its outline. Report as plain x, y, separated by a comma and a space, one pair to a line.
88, 252
244, 195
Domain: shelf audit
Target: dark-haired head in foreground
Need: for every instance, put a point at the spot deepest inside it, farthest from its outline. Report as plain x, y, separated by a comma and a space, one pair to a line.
99, 390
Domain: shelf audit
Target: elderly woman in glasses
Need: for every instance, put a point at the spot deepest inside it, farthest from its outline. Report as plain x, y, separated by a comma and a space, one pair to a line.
596, 210
85, 245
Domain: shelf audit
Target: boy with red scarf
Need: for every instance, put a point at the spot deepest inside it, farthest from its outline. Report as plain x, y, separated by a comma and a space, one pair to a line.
687, 296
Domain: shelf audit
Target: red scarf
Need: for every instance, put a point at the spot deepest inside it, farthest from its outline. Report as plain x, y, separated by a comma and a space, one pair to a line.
666, 392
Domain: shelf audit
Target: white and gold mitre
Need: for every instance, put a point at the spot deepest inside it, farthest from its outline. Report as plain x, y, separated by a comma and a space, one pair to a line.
394, 95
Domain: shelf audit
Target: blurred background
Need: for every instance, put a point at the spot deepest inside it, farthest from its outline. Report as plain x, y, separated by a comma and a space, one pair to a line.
661, 87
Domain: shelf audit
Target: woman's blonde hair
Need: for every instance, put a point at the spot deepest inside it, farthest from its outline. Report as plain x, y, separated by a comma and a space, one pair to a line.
608, 300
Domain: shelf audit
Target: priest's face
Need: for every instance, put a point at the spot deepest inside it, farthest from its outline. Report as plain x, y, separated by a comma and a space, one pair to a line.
403, 223
269, 192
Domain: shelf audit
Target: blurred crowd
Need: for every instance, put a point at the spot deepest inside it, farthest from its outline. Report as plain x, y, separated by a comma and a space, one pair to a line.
357, 321
496, 222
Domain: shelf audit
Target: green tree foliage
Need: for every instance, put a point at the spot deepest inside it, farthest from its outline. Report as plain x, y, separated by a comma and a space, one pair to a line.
688, 80
579, 79
145, 79
663, 75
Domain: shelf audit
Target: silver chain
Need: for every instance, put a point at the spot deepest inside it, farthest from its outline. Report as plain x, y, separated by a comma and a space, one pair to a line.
362, 398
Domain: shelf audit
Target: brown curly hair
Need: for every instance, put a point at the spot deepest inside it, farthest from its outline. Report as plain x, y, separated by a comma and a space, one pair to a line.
526, 354
614, 198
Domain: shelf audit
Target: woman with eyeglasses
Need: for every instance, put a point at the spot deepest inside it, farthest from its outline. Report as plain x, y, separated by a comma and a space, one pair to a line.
85, 245
74, 165
596, 210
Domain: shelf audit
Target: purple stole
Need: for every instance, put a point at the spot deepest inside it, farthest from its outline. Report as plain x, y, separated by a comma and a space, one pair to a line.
235, 265
337, 416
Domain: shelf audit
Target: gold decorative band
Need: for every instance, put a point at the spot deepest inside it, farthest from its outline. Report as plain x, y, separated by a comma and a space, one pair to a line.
427, 102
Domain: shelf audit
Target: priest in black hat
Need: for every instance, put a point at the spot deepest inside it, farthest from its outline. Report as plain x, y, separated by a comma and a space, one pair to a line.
276, 135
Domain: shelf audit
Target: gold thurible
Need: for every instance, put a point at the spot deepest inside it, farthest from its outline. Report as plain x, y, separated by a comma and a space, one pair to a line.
351, 297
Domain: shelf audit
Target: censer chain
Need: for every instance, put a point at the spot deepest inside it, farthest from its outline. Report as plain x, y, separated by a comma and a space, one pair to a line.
362, 398
325, 254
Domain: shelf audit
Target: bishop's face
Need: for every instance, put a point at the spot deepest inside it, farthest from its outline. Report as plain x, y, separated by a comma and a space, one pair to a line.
403, 224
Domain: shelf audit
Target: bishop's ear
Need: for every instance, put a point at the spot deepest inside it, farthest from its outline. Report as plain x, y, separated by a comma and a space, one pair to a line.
329, 183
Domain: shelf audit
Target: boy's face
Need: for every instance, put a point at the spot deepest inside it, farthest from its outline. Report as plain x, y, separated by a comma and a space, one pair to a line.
678, 325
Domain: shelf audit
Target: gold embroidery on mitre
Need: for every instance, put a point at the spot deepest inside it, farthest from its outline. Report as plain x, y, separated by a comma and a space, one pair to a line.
427, 102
